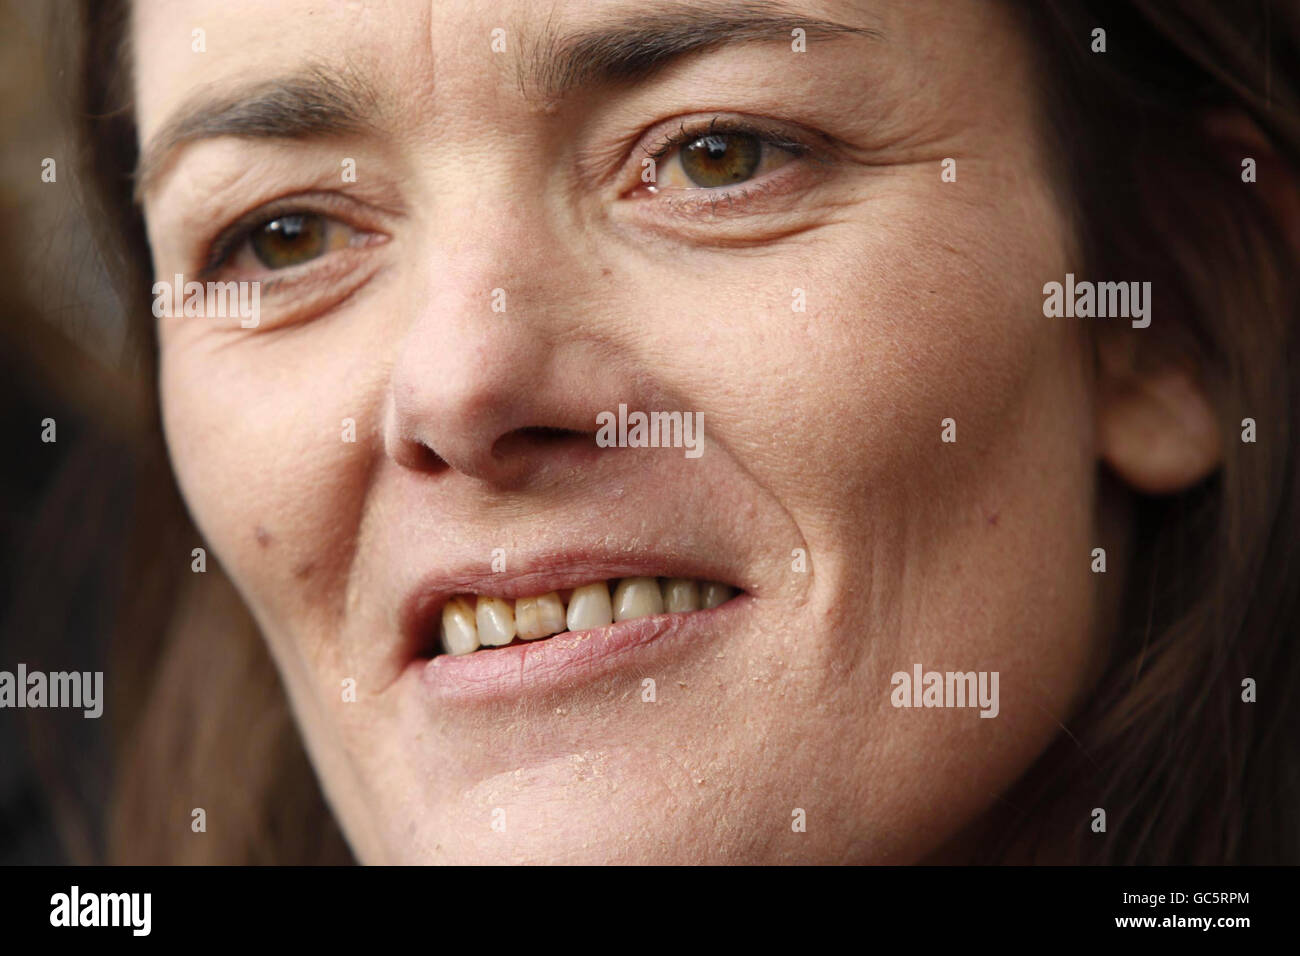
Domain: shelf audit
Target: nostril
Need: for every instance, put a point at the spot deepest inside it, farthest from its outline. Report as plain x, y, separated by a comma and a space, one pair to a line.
544, 435
534, 438
417, 456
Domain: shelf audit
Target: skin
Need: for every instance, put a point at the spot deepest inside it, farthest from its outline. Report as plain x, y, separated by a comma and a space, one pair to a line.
823, 427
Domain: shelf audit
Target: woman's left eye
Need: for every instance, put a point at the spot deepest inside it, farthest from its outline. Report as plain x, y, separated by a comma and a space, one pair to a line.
721, 159
717, 159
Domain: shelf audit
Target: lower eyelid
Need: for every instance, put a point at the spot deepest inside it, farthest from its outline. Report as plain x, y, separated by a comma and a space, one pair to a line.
782, 180
305, 280
292, 300
716, 202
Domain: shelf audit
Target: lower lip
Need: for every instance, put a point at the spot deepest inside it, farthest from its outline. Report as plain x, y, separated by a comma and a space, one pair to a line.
568, 660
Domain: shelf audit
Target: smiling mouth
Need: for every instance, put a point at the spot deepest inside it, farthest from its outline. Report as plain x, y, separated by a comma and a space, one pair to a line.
481, 622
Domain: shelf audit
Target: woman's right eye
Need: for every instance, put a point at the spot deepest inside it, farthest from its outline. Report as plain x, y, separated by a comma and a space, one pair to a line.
281, 241
294, 239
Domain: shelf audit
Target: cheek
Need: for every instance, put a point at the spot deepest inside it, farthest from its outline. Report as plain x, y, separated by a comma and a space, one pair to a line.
830, 363
970, 555
256, 433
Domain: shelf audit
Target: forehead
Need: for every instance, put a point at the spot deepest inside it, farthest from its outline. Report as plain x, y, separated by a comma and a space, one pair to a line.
181, 46
408, 48
405, 71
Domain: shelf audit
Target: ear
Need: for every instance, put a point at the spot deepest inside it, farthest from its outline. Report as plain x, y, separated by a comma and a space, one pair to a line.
1156, 428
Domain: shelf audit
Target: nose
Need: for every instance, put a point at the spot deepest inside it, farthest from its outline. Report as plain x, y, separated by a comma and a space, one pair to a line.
495, 377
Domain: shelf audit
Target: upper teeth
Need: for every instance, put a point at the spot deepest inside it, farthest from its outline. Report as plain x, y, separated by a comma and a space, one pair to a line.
470, 622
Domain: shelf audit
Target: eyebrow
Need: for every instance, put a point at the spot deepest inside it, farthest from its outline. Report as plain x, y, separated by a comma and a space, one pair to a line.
322, 101
621, 53
316, 102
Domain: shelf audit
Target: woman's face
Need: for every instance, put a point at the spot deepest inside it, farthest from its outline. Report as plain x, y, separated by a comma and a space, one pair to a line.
468, 261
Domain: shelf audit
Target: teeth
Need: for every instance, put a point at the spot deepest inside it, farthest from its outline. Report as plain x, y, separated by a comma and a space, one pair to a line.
713, 594
681, 594
539, 616
459, 635
589, 607
637, 597
470, 621
496, 622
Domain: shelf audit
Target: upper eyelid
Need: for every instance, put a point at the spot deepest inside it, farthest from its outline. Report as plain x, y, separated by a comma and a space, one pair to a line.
769, 131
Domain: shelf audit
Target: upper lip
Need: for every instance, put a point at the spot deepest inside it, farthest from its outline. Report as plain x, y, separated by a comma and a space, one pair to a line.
536, 574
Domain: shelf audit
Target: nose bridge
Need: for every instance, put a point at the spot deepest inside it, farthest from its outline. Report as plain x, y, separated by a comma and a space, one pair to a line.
490, 281
484, 178
495, 236
490, 347
503, 340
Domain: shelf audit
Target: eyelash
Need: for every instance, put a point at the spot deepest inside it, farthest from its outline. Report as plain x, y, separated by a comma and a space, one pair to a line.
771, 135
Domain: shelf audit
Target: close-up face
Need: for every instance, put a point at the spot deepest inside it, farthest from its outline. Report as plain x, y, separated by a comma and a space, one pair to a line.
484, 236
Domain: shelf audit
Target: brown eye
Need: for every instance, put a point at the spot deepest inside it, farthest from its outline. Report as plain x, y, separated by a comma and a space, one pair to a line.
290, 240
721, 159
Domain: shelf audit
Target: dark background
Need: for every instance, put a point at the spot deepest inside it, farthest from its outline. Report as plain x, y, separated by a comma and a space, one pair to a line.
61, 339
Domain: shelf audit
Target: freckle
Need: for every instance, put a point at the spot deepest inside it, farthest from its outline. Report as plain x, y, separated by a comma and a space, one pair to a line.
263, 536
606, 272
304, 570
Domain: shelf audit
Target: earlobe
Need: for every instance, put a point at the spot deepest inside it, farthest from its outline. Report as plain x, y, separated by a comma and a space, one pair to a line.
1157, 430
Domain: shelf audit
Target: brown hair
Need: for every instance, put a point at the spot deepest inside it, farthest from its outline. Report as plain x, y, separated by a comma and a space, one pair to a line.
1186, 771
201, 719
